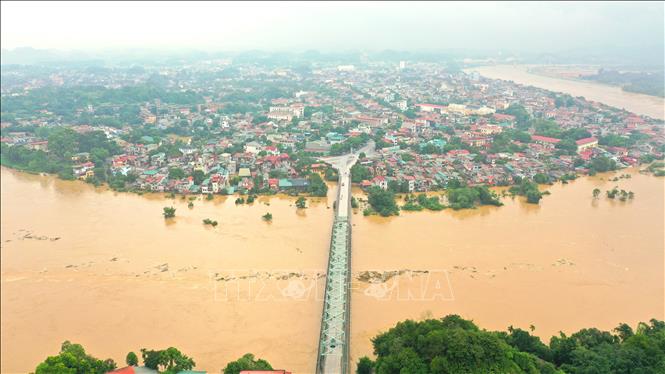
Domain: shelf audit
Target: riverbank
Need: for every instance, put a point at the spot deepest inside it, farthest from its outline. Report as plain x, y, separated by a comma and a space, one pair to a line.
651, 106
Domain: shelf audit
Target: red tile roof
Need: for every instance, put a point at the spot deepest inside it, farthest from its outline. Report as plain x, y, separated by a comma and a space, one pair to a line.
586, 141
545, 139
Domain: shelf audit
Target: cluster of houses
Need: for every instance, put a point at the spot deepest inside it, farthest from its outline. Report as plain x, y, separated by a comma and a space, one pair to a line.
431, 126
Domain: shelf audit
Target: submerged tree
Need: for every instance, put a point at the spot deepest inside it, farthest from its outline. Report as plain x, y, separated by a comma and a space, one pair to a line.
169, 212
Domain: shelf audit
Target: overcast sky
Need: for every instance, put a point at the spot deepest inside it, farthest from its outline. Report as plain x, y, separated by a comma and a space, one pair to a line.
330, 26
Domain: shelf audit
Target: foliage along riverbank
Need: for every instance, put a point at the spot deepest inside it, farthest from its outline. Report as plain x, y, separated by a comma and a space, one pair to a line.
455, 345
458, 196
447, 345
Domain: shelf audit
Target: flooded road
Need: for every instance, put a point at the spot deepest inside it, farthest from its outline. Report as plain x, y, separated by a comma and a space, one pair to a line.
610, 95
104, 269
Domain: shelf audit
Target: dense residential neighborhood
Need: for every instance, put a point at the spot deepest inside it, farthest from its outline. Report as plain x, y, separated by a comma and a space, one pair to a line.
218, 127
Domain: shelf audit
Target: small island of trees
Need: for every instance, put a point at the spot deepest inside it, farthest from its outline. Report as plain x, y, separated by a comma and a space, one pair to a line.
301, 203
381, 202
528, 189
169, 212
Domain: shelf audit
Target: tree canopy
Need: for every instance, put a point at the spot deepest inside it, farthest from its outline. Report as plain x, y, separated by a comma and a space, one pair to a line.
455, 345
72, 359
246, 362
168, 361
382, 202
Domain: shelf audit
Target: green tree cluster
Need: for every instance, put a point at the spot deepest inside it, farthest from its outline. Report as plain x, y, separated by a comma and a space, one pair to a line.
246, 362
353, 142
72, 359
529, 189
168, 361
456, 345
449, 345
422, 201
301, 203
382, 201
360, 173
470, 197
317, 187
169, 212
602, 164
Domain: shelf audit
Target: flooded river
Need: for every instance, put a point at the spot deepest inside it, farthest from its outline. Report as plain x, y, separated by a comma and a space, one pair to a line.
104, 269
610, 95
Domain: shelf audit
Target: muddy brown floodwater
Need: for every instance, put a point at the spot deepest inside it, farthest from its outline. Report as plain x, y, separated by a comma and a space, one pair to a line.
568, 263
120, 277
652, 106
104, 269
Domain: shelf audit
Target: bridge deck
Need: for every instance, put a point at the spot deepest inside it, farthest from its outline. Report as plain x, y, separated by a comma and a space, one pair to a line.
334, 340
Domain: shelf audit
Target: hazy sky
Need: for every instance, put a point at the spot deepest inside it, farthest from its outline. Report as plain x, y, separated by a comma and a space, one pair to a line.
330, 26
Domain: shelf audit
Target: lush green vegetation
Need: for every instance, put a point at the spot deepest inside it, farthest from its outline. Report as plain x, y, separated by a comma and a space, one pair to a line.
657, 168
382, 202
73, 359
504, 142
132, 359
360, 173
564, 100
470, 197
167, 361
602, 164
301, 203
331, 174
210, 222
346, 146
169, 212
541, 178
420, 202
317, 187
66, 100
520, 113
63, 143
529, 189
267, 217
623, 195
246, 362
640, 82
614, 140
456, 345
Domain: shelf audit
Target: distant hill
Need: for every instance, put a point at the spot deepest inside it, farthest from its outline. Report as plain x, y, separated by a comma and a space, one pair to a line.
32, 56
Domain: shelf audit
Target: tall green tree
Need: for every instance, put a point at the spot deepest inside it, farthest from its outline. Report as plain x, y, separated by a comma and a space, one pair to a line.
246, 362
132, 359
382, 202
317, 187
72, 359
